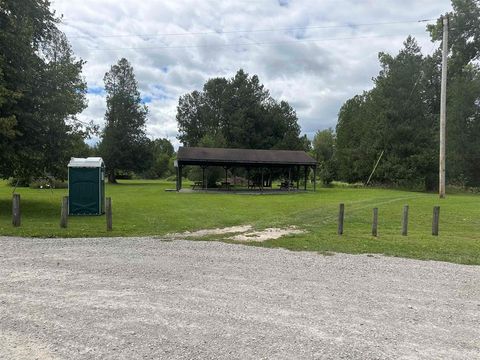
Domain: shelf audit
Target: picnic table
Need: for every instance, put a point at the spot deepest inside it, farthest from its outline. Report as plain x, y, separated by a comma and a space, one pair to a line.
225, 184
197, 184
255, 184
286, 185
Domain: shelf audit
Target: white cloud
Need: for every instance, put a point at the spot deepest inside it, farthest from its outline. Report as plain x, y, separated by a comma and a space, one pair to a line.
302, 66
95, 110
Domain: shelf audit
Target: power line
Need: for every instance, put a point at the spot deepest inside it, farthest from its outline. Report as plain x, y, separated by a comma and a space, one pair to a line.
250, 31
244, 44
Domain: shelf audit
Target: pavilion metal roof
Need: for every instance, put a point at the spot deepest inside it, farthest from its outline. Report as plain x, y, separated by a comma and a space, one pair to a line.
242, 157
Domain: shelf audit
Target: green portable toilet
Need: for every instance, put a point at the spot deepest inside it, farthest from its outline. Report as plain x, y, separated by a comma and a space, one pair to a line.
86, 186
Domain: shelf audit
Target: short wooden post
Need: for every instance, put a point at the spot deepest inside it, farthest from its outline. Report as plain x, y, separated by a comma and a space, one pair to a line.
64, 213
108, 213
341, 214
375, 222
16, 213
405, 221
436, 218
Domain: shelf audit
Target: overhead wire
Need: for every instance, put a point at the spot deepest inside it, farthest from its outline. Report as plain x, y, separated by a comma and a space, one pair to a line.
254, 43
188, 33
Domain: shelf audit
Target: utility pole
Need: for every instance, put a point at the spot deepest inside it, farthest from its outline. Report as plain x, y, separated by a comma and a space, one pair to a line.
443, 109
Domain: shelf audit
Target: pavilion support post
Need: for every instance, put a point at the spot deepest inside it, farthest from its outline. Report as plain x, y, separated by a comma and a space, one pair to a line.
248, 178
226, 176
180, 168
289, 178
297, 175
203, 178
179, 178
305, 185
314, 178
261, 187
177, 183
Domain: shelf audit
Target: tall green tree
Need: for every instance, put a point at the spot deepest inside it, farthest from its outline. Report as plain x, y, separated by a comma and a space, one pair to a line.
463, 34
409, 137
239, 113
41, 91
463, 91
162, 158
324, 150
394, 118
124, 145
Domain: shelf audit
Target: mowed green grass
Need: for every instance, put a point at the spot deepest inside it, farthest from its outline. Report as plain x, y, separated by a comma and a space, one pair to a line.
143, 208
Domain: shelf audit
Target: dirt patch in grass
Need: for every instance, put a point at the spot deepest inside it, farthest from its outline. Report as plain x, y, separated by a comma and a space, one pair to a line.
244, 233
207, 232
267, 234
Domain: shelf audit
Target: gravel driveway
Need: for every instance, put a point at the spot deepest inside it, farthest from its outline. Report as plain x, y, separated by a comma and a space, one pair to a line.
143, 298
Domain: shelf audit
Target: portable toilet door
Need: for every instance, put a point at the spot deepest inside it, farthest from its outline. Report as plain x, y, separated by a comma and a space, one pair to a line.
86, 186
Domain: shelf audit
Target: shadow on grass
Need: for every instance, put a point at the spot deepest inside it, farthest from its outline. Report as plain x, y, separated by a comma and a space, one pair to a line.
143, 183
40, 208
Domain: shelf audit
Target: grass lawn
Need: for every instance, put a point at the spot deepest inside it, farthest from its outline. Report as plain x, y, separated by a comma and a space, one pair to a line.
144, 208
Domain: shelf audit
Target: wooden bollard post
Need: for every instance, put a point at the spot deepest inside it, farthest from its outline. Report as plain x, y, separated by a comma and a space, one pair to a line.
435, 221
405, 221
375, 222
64, 213
108, 213
16, 213
341, 215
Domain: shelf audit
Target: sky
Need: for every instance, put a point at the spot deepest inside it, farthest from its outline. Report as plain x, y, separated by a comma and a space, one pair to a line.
313, 54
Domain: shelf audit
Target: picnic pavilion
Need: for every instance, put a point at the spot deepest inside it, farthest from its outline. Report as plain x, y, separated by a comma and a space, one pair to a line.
260, 161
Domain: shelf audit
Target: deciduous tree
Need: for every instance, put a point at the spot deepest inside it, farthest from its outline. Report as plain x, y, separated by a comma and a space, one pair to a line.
41, 91
241, 113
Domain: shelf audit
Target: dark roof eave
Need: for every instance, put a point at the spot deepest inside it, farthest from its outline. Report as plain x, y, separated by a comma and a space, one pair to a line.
243, 163
243, 157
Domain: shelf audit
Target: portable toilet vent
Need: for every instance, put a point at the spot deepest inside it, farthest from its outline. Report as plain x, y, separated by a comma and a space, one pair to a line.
86, 186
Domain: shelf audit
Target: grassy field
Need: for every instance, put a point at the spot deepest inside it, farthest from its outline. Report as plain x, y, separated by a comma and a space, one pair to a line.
144, 208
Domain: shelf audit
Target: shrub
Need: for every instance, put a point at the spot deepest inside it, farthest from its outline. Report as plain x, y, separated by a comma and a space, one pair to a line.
48, 184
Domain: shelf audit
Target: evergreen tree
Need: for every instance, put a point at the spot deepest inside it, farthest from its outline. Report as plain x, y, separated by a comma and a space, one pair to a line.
124, 145
394, 118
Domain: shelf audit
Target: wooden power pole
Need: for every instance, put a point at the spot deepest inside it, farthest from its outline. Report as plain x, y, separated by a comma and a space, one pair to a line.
443, 109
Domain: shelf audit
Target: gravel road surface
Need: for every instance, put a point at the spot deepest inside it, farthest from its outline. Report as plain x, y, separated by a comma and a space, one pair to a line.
143, 298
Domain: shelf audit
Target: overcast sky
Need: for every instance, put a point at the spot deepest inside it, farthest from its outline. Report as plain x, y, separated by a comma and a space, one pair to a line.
313, 54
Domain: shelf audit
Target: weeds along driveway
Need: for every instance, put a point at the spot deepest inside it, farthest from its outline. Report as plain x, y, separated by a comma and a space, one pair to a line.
132, 298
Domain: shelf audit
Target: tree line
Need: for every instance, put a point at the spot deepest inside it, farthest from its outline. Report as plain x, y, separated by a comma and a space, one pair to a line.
41, 93
396, 123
